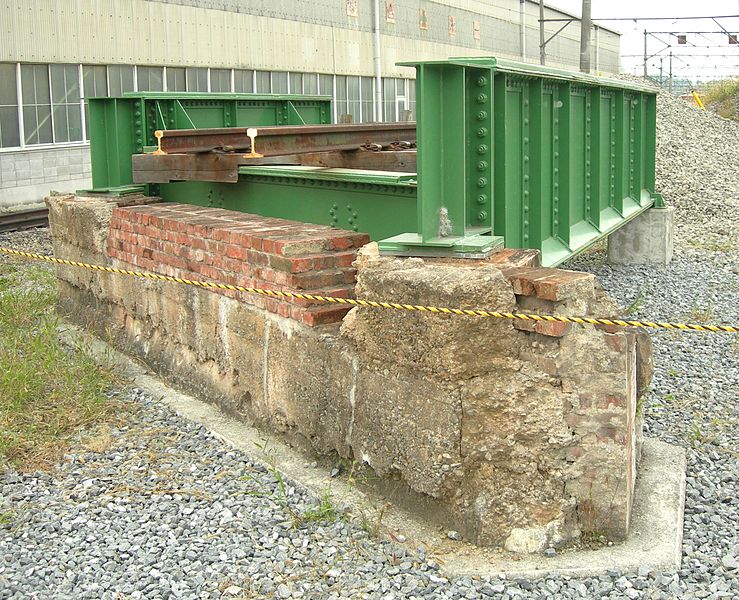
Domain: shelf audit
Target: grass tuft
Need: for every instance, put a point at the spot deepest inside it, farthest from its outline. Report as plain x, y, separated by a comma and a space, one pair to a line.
48, 391
723, 97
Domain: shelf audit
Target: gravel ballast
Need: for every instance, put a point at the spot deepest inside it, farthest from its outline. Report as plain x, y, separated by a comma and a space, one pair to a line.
161, 508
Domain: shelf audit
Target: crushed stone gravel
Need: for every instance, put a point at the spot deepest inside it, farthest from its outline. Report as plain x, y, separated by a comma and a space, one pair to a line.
160, 508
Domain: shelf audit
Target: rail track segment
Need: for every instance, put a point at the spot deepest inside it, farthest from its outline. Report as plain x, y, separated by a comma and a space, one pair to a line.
24, 219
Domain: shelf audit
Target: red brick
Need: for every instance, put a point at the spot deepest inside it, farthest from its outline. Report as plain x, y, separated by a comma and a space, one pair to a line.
523, 325
345, 259
341, 243
350, 275
552, 329
522, 279
510, 258
291, 265
314, 280
236, 252
322, 316
257, 258
561, 284
616, 341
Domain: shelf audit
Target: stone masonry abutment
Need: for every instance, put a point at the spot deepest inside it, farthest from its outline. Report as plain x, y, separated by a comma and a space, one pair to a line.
519, 434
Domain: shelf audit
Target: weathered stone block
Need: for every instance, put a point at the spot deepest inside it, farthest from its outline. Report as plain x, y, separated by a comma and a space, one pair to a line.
406, 424
450, 347
309, 386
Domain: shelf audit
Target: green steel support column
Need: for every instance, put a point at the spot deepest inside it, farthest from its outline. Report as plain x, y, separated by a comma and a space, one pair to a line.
479, 132
506, 158
441, 141
588, 157
563, 173
638, 135
454, 134
612, 163
112, 145
620, 189
539, 175
594, 171
651, 141
524, 217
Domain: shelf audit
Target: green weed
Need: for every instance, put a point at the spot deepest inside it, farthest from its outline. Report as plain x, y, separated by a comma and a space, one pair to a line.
723, 97
324, 512
635, 306
48, 391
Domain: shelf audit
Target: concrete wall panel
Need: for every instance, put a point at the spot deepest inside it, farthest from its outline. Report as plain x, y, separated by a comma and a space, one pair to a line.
273, 35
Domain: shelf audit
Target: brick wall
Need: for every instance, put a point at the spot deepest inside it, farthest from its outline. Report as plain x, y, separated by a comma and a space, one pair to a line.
241, 249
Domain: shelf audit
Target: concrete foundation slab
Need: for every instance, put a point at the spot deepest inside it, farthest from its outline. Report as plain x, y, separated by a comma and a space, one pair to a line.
654, 540
646, 240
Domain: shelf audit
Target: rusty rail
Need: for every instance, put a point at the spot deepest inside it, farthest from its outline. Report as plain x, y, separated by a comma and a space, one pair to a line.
283, 140
24, 219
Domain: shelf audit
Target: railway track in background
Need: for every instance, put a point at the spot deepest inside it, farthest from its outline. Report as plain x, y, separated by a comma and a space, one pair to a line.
24, 219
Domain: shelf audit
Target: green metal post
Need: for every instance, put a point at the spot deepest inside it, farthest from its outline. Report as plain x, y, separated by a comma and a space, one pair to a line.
563, 172
539, 175
455, 154
598, 131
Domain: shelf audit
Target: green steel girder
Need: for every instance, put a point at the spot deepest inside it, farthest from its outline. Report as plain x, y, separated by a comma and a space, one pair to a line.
533, 156
121, 127
343, 198
540, 157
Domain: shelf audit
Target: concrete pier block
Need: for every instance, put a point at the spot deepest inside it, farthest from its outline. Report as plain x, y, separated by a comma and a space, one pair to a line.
646, 240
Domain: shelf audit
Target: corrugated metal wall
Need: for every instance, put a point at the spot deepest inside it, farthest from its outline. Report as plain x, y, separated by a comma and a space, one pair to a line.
308, 36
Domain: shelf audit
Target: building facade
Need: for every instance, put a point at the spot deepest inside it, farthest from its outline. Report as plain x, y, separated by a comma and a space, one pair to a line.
54, 54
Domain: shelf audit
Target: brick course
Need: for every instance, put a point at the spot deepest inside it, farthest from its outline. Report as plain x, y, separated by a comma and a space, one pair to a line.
225, 246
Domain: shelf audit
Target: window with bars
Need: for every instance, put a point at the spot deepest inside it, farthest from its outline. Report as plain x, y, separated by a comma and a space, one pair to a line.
367, 94
342, 106
263, 82
326, 85
65, 100
176, 80
296, 83
197, 79
353, 99
388, 98
10, 136
120, 79
220, 80
279, 82
244, 81
310, 84
412, 98
36, 104
94, 85
150, 79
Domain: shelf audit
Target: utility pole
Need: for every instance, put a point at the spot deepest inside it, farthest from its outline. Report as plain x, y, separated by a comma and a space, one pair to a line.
661, 81
585, 25
522, 25
670, 88
542, 51
645, 53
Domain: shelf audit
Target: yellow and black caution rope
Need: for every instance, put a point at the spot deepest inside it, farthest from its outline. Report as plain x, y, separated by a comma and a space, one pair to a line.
374, 304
